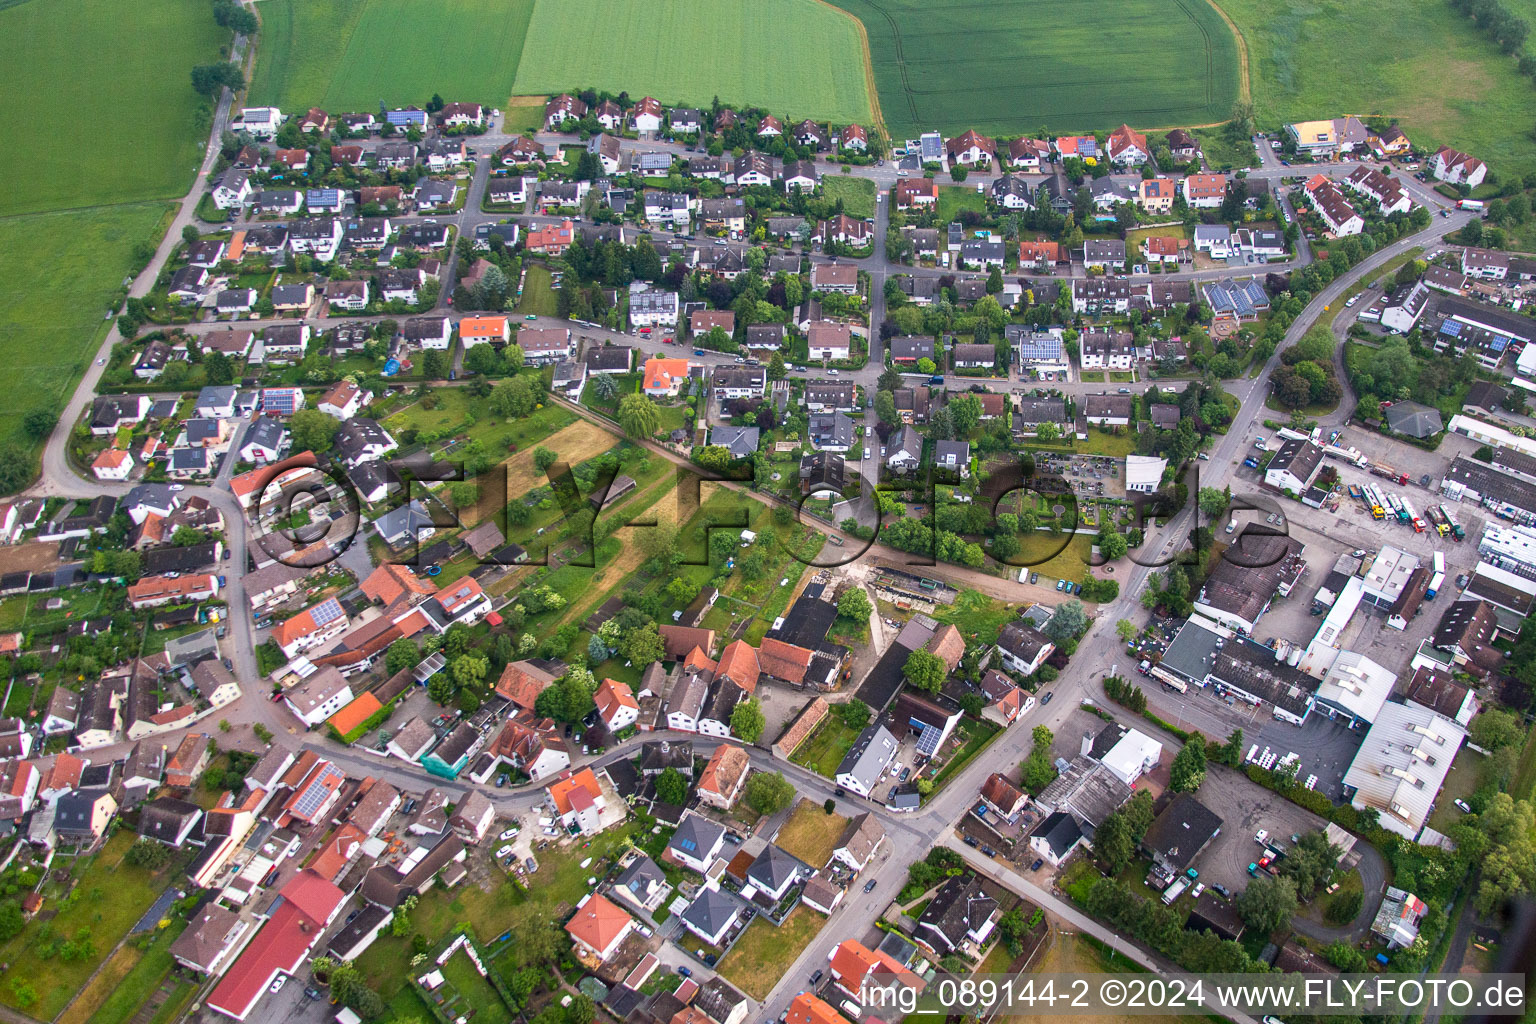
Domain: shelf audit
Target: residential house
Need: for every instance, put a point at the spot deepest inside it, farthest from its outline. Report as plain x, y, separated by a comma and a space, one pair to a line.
1128, 146
960, 913
1325, 196
724, 777
1022, 648
827, 340
1205, 191
1457, 168
1156, 195
971, 149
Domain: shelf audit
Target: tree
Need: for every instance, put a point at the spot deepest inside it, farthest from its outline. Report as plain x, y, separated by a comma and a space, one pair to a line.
1310, 862
854, 604
925, 670
1112, 545
1267, 903
852, 713
605, 387
147, 853
1213, 501
1038, 771
217, 368
965, 412
1494, 728
769, 792
1068, 622
1126, 630
312, 430
208, 79
12, 920
401, 655
513, 398
39, 423
643, 646
1188, 769
672, 787
638, 416
748, 720
1112, 843
885, 408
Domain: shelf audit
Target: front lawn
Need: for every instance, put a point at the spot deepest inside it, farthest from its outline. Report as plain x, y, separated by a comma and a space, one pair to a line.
763, 953
824, 748
1102, 442
538, 294
977, 616
811, 833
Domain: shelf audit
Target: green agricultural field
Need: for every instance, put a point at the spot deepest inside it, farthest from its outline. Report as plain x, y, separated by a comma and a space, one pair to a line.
798, 57
68, 66
1013, 66
62, 271
1418, 61
350, 54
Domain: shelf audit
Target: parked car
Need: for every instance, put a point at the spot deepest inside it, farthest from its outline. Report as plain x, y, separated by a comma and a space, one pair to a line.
989, 851
1461, 805
509, 833
505, 851
816, 978
684, 972
277, 985
1036, 865
869, 886
971, 841
1047, 698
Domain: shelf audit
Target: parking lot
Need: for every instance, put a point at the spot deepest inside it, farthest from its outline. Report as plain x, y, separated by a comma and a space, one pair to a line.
1244, 808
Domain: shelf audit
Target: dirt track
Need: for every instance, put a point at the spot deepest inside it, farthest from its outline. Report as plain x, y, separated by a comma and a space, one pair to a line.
574, 444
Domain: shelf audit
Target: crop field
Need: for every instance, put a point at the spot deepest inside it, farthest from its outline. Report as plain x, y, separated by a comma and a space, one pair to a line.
796, 57
1418, 61
66, 64
350, 54
61, 271
1013, 66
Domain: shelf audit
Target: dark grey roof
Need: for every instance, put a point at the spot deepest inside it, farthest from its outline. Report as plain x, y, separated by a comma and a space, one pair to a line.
696, 835
774, 867
1181, 831
712, 910
1414, 419
1060, 832
960, 905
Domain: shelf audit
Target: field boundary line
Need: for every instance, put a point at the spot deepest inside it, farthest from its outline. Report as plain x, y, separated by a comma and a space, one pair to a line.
1244, 84
876, 114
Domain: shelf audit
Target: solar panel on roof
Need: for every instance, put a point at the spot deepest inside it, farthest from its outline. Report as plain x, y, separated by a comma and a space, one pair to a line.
1498, 343
928, 742
1451, 328
310, 800
326, 611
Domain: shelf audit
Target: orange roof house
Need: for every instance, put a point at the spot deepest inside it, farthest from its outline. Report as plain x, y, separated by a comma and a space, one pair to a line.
738, 663
1126, 144
474, 329
853, 963
598, 926
698, 660
664, 376
335, 855
807, 1009
616, 704
355, 714
1039, 252
389, 582
521, 683
784, 661
563, 790
723, 777
552, 239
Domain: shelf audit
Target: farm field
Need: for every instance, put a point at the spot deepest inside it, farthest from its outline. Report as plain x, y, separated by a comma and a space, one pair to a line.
62, 270
688, 51
1418, 61
69, 57
1028, 65
343, 54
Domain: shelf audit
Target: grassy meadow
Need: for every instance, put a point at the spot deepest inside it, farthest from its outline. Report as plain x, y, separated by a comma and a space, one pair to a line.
1014, 67
70, 75
1418, 61
798, 57
350, 54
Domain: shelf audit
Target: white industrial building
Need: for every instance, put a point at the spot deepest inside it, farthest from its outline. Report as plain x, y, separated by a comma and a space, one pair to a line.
1388, 575
1355, 687
1509, 546
1401, 765
1132, 756
1143, 473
